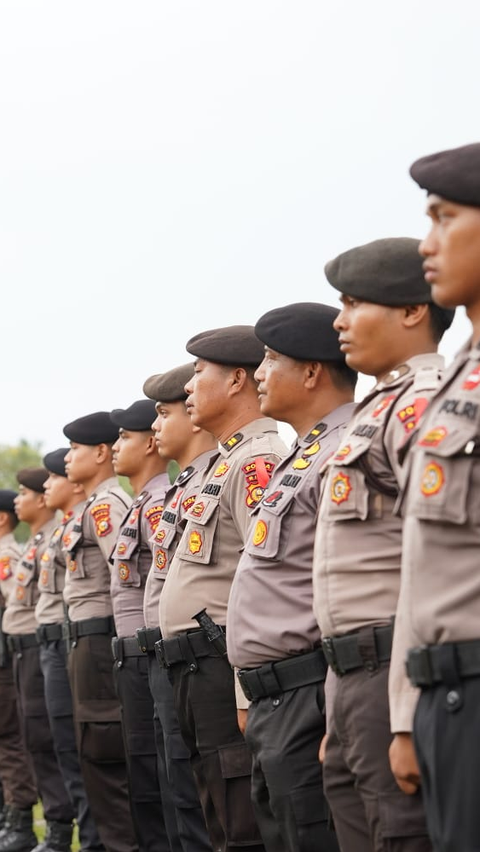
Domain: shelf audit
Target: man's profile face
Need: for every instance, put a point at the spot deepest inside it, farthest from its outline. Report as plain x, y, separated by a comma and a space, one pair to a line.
280, 380
207, 391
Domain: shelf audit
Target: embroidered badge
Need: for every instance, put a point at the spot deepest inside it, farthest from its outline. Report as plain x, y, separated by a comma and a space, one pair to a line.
383, 405
340, 488
188, 502
121, 548
301, 463
57, 532
153, 516
134, 516
198, 510
160, 559
195, 542
473, 379
221, 469
432, 480
257, 475
343, 452
72, 566
65, 519
434, 437
233, 441
313, 450
20, 576
20, 593
259, 533
317, 430
67, 540
31, 554
160, 535
5, 569
45, 557
174, 503
123, 571
101, 516
273, 498
43, 577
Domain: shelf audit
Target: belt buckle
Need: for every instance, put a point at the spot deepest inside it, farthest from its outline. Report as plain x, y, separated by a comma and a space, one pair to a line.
331, 657
160, 654
243, 683
419, 666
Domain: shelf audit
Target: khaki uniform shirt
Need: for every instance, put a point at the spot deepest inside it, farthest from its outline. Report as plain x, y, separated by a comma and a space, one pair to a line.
19, 617
440, 594
91, 541
51, 580
179, 498
10, 551
270, 610
358, 542
132, 556
207, 555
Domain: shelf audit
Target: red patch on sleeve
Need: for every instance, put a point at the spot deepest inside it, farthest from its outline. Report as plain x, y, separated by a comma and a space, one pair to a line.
5, 569
153, 516
257, 476
101, 516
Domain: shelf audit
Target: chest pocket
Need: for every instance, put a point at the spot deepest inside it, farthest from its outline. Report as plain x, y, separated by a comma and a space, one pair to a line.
268, 521
47, 578
126, 556
345, 493
440, 481
25, 586
74, 554
162, 542
197, 541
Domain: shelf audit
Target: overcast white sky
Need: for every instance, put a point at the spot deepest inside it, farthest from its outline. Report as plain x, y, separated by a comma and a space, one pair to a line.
171, 167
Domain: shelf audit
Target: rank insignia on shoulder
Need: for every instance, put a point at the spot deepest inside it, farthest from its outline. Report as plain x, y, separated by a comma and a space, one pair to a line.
101, 515
383, 404
434, 437
195, 542
473, 379
433, 479
160, 559
123, 571
221, 470
5, 569
153, 516
260, 533
340, 488
257, 475
317, 430
233, 441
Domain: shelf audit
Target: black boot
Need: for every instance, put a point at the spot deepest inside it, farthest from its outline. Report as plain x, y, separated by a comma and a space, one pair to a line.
19, 836
58, 838
5, 822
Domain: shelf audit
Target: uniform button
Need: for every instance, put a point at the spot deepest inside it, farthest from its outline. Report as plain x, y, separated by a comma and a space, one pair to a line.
192, 667
276, 702
369, 665
453, 698
119, 664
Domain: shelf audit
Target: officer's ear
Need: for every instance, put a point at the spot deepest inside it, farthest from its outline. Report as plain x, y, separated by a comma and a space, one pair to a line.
312, 374
413, 315
151, 447
103, 453
238, 379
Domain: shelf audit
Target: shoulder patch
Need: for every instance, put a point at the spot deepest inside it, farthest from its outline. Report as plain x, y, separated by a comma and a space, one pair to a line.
153, 515
188, 502
257, 476
411, 414
5, 568
101, 515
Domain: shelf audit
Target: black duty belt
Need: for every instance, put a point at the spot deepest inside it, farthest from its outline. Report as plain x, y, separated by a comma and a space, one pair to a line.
73, 630
277, 677
431, 664
18, 642
125, 647
184, 648
49, 633
364, 649
146, 638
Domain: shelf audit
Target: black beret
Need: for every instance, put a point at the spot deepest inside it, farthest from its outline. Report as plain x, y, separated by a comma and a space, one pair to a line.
92, 429
303, 331
453, 174
236, 345
55, 461
138, 417
33, 478
169, 387
7, 498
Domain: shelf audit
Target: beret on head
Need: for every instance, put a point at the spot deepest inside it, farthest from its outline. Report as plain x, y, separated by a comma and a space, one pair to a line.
303, 331
170, 386
96, 428
453, 174
55, 461
138, 417
32, 478
236, 346
7, 498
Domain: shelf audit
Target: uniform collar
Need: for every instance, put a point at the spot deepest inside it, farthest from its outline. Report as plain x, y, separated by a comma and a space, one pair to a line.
335, 418
260, 425
403, 371
159, 481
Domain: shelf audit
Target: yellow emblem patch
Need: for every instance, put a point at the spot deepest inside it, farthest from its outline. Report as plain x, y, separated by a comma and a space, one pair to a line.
313, 450
123, 571
195, 542
301, 464
222, 469
45, 557
260, 533
434, 437
44, 577
72, 566
343, 452
101, 516
198, 510
160, 559
121, 548
340, 488
432, 480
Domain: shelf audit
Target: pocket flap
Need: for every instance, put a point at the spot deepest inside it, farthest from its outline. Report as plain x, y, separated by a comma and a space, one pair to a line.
202, 510
401, 815
235, 760
349, 452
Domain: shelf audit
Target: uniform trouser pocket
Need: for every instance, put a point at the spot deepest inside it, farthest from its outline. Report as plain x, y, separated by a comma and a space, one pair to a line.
235, 767
102, 742
402, 823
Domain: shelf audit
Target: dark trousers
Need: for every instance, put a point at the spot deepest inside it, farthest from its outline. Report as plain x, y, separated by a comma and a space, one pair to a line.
99, 738
221, 761
58, 699
131, 681
369, 809
37, 735
284, 734
447, 741
16, 769
174, 757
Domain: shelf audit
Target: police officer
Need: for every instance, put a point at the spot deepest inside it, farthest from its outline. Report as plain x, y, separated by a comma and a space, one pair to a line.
222, 398
20, 623
272, 635
60, 494
91, 627
18, 783
439, 604
135, 455
193, 449
388, 328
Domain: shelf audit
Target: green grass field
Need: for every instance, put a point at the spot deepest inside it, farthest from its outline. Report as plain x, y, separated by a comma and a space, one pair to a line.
39, 827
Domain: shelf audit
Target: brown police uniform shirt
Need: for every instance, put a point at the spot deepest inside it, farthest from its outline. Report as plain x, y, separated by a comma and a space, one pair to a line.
92, 539
440, 593
51, 580
10, 551
179, 498
270, 610
358, 541
132, 556
19, 617
207, 555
